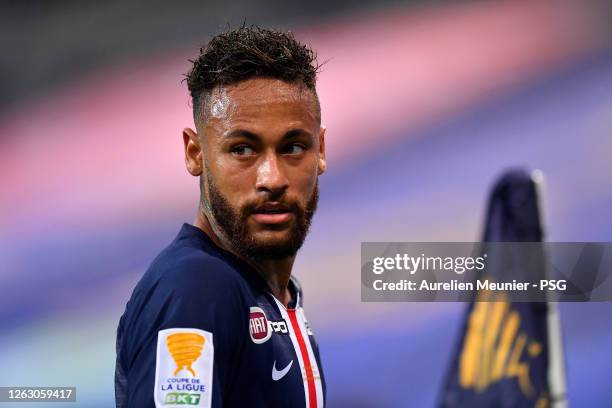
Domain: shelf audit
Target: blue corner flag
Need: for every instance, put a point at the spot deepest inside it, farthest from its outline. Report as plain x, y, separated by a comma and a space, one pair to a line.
501, 359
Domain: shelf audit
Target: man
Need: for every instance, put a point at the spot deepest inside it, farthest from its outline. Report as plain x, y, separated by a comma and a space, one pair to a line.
217, 319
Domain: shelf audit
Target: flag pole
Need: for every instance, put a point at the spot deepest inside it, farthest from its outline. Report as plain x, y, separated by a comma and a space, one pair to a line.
556, 357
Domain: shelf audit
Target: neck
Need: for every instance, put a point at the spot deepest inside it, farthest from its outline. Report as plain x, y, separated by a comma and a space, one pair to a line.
275, 272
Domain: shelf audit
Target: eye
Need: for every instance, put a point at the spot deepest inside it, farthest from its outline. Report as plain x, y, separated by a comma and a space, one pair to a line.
242, 150
295, 148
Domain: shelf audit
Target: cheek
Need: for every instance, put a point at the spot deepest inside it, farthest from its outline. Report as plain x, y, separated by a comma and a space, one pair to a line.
234, 183
305, 178
236, 186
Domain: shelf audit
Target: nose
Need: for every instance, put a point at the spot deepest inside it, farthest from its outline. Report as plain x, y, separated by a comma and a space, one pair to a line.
271, 176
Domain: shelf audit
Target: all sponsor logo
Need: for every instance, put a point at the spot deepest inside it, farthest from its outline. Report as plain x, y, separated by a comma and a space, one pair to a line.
279, 374
182, 398
183, 369
259, 328
185, 349
279, 326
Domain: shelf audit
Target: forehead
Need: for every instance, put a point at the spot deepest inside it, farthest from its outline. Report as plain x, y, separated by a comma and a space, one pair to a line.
262, 101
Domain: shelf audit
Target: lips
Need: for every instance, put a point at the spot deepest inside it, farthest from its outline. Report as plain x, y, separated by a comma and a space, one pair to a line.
272, 213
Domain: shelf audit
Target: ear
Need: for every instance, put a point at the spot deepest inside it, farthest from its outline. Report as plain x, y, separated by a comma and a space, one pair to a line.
193, 152
322, 165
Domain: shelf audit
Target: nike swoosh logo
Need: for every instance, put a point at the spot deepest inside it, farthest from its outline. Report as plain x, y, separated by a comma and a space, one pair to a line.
277, 375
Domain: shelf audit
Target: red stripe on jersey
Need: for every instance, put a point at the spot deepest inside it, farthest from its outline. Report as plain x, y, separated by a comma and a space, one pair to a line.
312, 392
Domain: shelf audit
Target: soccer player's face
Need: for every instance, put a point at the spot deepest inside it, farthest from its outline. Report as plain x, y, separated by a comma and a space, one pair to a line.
263, 151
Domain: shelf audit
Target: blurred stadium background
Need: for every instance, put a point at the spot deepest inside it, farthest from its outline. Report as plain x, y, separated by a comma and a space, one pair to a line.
426, 103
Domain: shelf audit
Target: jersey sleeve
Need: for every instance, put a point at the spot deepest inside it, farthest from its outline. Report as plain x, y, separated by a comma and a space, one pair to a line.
185, 340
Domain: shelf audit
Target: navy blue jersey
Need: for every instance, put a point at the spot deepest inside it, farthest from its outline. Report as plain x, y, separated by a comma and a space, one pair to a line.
202, 329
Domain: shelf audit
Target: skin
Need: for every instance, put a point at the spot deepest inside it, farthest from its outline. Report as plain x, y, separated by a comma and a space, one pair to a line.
261, 141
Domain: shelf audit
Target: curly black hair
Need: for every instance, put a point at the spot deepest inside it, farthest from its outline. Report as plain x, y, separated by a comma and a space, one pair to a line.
246, 52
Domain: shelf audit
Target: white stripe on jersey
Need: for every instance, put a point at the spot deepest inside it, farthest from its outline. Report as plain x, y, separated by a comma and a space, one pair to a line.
313, 361
296, 347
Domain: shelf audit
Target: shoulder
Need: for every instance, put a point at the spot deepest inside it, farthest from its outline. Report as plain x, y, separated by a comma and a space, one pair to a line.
188, 289
186, 285
184, 270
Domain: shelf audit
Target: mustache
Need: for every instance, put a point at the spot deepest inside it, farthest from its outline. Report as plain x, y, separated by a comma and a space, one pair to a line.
261, 205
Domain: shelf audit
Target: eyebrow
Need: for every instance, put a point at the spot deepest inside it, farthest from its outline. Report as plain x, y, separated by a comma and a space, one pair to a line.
293, 133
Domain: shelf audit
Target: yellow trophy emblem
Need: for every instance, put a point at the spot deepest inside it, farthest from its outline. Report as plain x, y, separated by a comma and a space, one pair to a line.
185, 349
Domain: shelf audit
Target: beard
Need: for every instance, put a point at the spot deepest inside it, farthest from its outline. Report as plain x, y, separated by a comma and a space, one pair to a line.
234, 225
